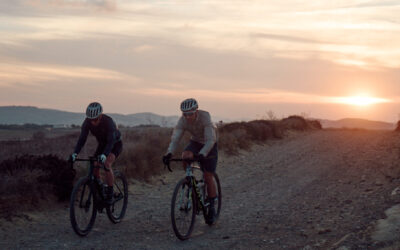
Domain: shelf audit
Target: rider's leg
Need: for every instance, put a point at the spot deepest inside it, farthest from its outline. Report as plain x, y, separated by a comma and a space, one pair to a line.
209, 166
115, 152
109, 178
186, 155
96, 170
109, 173
211, 188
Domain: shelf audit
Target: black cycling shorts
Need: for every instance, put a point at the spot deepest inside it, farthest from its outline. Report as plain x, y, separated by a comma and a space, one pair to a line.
116, 150
208, 165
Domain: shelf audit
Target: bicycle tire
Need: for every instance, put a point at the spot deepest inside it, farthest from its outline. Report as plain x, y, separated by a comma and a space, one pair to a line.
116, 211
82, 209
217, 201
185, 199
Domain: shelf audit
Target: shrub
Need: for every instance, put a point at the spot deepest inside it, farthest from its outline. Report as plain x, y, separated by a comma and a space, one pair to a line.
38, 135
315, 124
260, 130
30, 180
233, 141
37, 175
295, 122
240, 135
299, 123
143, 149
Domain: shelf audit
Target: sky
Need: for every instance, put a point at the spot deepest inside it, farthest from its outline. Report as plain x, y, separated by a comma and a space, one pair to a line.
241, 59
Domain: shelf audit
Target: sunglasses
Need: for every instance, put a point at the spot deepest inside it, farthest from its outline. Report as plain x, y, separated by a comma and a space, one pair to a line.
189, 114
95, 120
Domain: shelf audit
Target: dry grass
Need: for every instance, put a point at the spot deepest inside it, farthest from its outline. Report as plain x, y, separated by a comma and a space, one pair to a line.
29, 180
35, 170
241, 135
295, 122
143, 150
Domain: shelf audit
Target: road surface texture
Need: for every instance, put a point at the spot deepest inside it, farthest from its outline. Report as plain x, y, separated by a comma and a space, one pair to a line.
328, 189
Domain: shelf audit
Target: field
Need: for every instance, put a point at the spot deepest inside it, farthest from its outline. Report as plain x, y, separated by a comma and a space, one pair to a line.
35, 170
294, 187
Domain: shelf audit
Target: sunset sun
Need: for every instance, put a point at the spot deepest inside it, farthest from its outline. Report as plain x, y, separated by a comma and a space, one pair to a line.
361, 100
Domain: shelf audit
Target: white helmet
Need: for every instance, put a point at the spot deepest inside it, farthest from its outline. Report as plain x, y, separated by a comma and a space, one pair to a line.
94, 110
189, 105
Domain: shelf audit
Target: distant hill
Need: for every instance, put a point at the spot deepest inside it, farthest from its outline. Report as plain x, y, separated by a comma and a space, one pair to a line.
27, 114
357, 123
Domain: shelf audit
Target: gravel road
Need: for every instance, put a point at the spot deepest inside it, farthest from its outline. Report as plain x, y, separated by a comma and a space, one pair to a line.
325, 189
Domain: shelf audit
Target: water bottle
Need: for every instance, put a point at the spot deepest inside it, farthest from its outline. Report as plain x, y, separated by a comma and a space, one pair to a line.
200, 185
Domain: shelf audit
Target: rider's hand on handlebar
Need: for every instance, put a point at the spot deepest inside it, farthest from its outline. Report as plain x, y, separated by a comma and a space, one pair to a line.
102, 158
166, 158
72, 157
201, 157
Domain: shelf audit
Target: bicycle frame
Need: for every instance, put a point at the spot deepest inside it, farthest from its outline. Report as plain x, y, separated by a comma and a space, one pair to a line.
201, 206
91, 161
189, 199
194, 182
99, 197
88, 196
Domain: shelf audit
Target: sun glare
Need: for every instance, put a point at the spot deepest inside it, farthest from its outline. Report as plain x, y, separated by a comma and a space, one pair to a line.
361, 100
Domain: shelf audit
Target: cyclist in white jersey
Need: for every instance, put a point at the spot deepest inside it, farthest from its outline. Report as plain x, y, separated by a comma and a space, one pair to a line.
203, 143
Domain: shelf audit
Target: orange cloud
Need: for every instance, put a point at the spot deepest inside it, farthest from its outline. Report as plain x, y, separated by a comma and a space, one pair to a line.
238, 95
35, 73
109, 5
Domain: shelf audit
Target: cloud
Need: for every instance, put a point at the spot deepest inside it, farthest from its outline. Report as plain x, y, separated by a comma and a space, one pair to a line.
286, 38
158, 64
342, 35
40, 74
143, 48
379, 3
245, 95
38, 8
108, 5
288, 51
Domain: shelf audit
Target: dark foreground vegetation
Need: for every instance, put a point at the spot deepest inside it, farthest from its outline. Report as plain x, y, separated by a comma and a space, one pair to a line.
398, 127
35, 172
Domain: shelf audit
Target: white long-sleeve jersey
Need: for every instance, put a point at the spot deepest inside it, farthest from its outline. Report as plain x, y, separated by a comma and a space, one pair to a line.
202, 130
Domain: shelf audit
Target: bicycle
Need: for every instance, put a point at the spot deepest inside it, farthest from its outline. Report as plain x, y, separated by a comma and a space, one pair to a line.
88, 198
190, 199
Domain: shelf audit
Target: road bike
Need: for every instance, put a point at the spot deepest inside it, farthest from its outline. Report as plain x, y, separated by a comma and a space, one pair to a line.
88, 198
190, 198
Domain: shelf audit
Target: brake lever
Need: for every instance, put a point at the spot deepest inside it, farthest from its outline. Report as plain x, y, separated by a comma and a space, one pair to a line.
169, 168
70, 163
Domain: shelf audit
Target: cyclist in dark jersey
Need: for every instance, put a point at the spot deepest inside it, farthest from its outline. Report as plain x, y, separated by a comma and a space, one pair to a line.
109, 142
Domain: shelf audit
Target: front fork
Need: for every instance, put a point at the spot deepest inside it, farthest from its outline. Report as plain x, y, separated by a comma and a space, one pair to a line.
98, 193
198, 187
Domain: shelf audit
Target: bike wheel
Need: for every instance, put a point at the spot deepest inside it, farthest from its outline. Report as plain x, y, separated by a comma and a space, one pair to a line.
183, 209
82, 210
217, 200
116, 211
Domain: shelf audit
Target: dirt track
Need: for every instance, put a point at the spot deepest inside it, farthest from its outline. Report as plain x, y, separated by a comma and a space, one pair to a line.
313, 190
